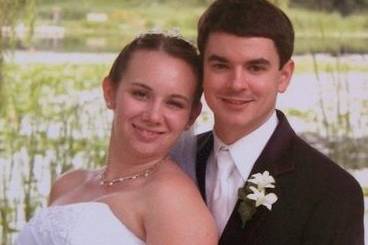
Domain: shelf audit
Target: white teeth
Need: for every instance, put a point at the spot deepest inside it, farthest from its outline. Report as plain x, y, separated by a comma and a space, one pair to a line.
236, 102
148, 132
145, 131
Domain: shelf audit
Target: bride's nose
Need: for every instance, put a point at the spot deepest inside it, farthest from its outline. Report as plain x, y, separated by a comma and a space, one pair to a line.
153, 112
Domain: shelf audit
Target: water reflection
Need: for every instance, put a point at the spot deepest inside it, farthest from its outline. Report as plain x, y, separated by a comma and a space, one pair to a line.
60, 42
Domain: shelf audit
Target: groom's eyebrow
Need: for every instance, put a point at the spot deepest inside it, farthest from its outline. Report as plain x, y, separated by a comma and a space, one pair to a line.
217, 58
259, 61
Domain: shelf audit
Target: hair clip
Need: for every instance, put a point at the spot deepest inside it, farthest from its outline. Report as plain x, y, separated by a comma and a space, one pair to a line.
173, 32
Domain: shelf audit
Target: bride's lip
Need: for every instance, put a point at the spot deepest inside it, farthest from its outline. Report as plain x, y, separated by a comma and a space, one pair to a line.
147, 134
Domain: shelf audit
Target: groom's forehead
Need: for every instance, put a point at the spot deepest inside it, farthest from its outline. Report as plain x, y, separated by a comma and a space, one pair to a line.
223, 47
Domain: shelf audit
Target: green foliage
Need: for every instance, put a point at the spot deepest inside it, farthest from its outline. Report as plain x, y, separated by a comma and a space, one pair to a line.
365, 191
305, 65
125, 19
247, 206
344, 7
316, 31
284, 4
11, 11
38, 100
55, 122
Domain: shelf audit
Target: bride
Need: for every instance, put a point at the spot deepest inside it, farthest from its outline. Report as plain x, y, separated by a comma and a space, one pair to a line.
140, 196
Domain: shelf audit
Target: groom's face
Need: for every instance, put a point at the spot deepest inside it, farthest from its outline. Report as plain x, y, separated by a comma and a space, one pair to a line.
242, 78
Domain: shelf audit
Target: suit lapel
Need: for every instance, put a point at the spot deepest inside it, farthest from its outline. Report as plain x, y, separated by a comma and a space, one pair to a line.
275, 159
277, 149
204, 146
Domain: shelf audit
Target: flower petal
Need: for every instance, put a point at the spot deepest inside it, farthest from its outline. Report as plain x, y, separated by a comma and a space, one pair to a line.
260, 201
252, 196
254, 181
254, 189
262, 181
269, 200
269, 186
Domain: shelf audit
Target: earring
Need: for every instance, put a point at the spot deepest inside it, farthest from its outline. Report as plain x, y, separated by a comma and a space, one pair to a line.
108, 104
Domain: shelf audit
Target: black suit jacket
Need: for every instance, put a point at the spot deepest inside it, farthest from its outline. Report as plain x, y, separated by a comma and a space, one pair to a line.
318, 202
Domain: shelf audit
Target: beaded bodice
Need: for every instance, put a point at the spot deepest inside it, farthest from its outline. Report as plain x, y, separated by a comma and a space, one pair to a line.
90, 223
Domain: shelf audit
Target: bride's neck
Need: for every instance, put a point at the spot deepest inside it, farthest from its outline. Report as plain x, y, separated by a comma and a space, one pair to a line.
120, 162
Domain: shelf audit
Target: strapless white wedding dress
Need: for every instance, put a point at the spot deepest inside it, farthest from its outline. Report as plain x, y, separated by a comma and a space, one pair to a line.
91, 223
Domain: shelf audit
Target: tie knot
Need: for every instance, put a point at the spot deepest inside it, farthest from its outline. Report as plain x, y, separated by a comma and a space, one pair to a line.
225, 163
223, 148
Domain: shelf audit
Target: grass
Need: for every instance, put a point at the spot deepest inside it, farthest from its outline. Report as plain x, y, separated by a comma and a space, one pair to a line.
318, 32
41, 99
304, 64
323, 24
130, 16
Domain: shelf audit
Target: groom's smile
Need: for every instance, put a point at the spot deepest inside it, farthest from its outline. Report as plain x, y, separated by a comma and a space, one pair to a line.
234, 102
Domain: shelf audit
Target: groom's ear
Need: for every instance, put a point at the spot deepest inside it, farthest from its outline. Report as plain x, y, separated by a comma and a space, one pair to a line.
285, 75
195, 112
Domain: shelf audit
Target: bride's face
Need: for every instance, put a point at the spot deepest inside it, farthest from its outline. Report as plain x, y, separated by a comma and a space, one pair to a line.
153, 103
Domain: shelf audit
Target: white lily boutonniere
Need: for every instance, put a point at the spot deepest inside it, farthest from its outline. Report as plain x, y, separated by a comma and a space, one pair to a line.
255, 194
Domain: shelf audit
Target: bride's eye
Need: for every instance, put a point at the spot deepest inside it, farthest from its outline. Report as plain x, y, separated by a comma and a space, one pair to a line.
140, 94
176, 104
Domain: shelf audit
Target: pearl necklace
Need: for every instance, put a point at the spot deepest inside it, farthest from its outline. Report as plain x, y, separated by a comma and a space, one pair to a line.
145, 173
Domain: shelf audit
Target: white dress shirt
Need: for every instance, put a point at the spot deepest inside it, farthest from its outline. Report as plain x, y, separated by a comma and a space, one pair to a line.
244, 154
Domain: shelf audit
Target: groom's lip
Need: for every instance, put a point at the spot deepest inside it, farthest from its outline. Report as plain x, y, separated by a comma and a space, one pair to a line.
235, 101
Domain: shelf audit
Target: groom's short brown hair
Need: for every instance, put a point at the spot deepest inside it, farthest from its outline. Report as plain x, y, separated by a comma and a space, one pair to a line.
248, 18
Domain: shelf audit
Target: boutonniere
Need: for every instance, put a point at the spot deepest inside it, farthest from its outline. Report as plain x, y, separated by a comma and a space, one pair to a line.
255, 194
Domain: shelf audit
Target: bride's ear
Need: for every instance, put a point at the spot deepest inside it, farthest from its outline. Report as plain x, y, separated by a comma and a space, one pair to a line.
109, 93
196, 111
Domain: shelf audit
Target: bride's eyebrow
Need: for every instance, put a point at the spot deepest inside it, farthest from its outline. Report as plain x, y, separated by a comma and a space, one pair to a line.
141, 85
177, 96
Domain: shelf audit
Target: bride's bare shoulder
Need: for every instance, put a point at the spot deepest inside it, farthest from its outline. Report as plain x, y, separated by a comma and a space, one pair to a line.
171, 178
178, 206
67, 182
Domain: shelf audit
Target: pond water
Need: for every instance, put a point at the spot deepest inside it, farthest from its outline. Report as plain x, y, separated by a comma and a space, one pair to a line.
51, 40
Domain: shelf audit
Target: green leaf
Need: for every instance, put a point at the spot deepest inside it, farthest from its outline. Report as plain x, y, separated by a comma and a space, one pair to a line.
246, 210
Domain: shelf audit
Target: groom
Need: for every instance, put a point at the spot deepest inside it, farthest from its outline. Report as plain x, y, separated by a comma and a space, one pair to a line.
246, 47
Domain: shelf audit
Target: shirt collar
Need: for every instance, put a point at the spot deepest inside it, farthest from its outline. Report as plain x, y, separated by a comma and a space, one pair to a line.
247, 149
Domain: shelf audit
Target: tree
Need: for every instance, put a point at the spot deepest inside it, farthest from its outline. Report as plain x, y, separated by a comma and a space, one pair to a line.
281, 3
11, 12
344, 7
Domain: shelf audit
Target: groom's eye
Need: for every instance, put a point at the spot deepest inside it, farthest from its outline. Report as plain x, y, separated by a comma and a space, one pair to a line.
219, 66
256, 68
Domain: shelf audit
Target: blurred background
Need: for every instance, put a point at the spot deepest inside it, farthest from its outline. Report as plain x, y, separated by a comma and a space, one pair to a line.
54, 55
